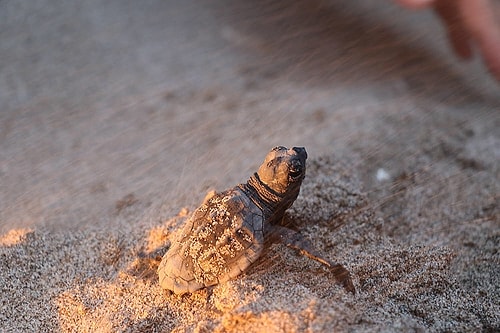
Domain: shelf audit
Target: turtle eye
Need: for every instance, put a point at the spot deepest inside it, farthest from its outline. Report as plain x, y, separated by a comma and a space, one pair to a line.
295, 170
278, 148
295, 174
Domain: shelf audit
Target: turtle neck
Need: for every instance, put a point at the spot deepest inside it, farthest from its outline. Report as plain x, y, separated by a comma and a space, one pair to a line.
272, 203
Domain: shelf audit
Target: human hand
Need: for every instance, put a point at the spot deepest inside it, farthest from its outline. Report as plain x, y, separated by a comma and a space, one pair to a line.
469, 22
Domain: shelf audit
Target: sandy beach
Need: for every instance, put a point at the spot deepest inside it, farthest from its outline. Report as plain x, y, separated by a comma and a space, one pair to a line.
117, 117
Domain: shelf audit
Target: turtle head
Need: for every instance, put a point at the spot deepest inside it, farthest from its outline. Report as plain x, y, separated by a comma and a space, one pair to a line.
284, 169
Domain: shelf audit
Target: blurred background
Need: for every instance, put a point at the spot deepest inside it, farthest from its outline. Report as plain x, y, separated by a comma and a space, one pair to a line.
110, 104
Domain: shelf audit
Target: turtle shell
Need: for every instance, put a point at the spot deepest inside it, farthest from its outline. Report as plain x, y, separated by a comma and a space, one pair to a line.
219, 241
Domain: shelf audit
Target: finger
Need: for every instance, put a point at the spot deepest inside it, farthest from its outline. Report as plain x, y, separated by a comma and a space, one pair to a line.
458, 35
480, 19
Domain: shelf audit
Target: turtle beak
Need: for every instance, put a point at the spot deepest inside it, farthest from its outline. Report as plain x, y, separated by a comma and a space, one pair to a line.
298, 163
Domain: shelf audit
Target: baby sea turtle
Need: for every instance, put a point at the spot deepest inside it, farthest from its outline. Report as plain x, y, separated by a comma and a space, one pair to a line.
228, 232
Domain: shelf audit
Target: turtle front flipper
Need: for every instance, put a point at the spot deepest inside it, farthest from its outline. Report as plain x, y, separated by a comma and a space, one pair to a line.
298, 242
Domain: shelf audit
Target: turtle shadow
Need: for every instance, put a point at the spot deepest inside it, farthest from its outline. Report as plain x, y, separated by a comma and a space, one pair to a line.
145, 265
148, 256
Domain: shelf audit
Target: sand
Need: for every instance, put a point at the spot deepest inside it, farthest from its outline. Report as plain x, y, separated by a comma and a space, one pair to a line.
118, 117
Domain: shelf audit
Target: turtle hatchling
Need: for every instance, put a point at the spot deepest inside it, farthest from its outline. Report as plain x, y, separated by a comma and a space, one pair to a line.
229, 231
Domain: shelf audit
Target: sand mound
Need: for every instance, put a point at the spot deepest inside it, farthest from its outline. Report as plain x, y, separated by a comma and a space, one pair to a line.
94, 280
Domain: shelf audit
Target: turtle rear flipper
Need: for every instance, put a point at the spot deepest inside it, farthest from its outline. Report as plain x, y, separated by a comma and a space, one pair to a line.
298, 242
